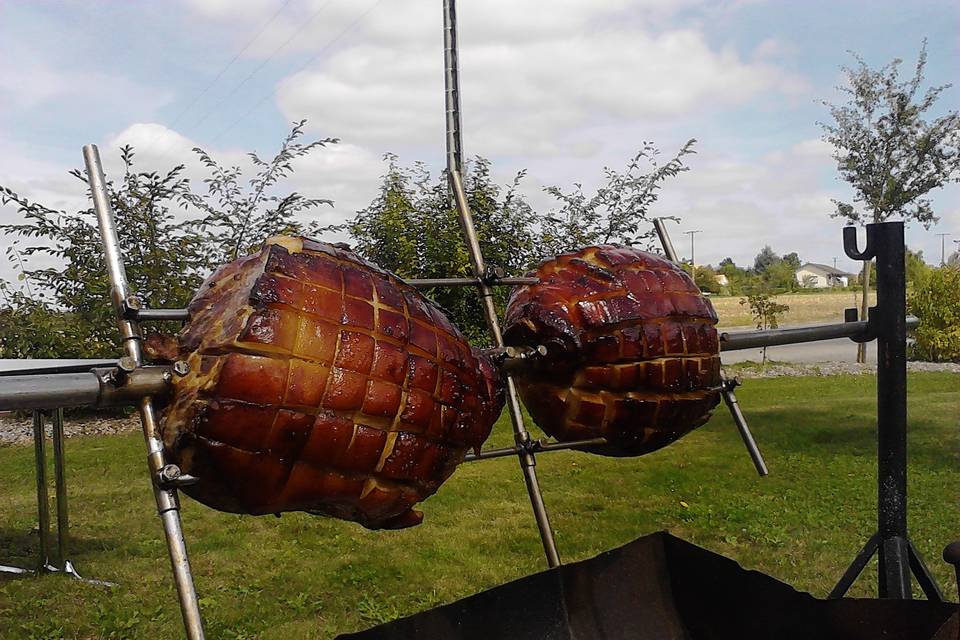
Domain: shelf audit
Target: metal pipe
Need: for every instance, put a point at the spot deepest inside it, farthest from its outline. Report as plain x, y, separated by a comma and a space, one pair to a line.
454, 167
537, 446
509, 281
181, 315
167, 503
63, 523
49, 390
733, 341
95, 388
730, 398
43, 499
665, 242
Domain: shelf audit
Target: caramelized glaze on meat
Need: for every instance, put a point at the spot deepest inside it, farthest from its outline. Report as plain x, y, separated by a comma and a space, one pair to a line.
633, 355
319, 382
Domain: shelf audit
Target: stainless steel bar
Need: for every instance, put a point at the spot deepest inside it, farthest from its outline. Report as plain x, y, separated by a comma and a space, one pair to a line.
89, 389
426, 283
42, 391
730, 398
181, 315
665, 242
454, 168
537, 446
63, 522
733, 341
168, 506
43, 498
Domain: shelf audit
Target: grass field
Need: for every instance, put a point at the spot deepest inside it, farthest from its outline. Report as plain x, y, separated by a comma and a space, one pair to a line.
307, 577
805, 308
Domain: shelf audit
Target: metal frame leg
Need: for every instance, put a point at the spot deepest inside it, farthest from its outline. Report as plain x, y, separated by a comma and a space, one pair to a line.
43, 497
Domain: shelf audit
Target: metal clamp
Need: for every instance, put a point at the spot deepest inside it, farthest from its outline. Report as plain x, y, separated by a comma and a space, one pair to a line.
171, 477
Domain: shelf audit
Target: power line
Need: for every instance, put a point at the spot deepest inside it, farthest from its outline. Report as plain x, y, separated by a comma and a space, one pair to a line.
309, 61
229, 64
266, 61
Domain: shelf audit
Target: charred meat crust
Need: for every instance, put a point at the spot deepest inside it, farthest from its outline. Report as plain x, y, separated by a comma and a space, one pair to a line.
633, 353
322, 383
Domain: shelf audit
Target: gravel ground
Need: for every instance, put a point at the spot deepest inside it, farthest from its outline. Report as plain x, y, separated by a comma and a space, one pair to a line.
780, 369
20, 430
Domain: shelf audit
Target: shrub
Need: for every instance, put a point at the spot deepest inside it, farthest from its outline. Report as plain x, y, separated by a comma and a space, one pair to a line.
935, 299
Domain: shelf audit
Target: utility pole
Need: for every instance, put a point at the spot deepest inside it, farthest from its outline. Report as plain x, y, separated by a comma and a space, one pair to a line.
693, 259
834, 263
942, 247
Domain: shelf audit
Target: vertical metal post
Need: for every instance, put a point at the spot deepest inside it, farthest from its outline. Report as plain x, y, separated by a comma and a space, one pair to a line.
168, 506
890, 320
43, 498
63, 523
454, 172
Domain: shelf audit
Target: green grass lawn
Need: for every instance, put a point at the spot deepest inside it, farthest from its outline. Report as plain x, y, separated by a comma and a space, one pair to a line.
309, 577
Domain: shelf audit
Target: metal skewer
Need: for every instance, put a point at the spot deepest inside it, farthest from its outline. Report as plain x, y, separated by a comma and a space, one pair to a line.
168, 506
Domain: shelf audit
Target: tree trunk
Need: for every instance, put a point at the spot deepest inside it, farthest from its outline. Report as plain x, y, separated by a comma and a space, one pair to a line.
864, 306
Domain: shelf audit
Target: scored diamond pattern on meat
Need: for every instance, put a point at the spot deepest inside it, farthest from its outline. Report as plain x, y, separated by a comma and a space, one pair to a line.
633, 353
322, 383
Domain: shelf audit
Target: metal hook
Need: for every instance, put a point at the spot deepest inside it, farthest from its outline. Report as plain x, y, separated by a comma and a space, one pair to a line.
850, 244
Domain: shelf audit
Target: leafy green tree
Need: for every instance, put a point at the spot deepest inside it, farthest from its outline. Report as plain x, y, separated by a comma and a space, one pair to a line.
412, 229
617, 212
916, 267
935, 299
766, 312
885, 149
765, 259
65, 310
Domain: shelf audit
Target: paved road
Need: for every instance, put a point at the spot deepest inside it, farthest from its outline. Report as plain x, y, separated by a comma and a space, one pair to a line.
839, 349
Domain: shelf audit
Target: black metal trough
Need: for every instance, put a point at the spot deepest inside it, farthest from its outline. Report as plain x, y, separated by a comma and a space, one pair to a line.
660, 587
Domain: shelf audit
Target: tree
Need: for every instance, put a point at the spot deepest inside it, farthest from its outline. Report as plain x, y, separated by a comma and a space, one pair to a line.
412, 229
935, 299
766, 311
65, 310
765, 259
916, 268
887, 151
618, 210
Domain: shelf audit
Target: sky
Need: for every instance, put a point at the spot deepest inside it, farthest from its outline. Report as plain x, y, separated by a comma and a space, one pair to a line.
561, 88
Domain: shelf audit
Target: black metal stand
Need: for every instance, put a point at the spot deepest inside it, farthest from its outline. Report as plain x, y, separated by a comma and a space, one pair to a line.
897, 556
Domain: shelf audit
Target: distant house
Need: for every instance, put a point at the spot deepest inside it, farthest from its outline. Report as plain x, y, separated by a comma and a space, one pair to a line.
821, 276
722, 279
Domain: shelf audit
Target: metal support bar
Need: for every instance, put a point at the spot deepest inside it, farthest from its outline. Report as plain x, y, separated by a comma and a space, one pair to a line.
43, 499
426, 283
454, 168
533, 446
43, 503
730, 398
96, 388
182, 315
63, 523
168, 506
736, 340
